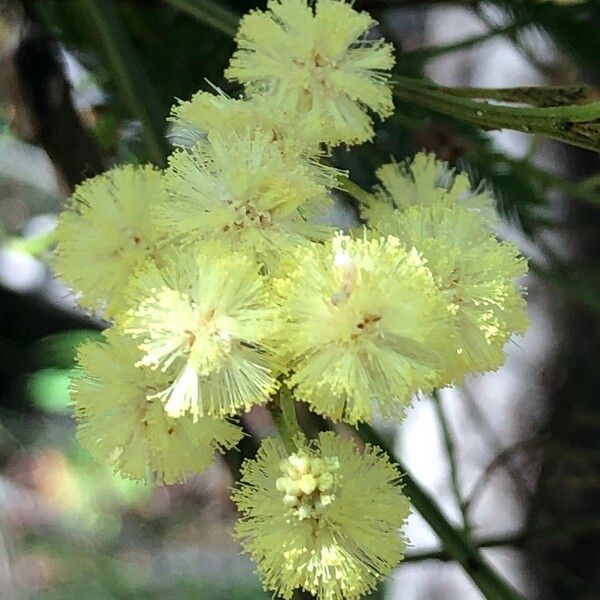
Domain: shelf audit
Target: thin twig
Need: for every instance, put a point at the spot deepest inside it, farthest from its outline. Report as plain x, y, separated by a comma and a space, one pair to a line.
492, 439
500, 460
566, 532
423, 54
451, 457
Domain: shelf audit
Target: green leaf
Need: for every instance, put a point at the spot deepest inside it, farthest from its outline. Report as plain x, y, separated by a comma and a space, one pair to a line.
210, 13
130, 76
48, 389
59, 350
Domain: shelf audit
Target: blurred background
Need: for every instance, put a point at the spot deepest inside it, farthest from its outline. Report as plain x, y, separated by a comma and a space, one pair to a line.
513, 457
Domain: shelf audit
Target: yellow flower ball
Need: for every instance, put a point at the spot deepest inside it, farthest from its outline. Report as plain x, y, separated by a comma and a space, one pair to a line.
478, 276
205, 317
326, 519
246, 192
207, 114
106, 233
423, 181
363, 327
123, 425
317, 60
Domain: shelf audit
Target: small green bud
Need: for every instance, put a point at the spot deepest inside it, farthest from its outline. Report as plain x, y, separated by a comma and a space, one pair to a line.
333, 463
317, 466
308, 484
290, 501
300, 462
304, 511
325, 482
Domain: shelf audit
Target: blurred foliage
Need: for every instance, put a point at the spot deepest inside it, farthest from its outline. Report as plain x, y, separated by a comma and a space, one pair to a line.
100, 537
172, 54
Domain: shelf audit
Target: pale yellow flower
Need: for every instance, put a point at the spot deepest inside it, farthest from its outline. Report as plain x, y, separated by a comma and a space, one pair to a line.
246, 192
206, 114
363, 327
106, 233
423, 181
317, 60
477, 274
205, 317
326, 519
122, 424
430, 207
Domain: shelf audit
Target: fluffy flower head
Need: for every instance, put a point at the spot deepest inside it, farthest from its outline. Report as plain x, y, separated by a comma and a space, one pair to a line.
122, 424
205, 317
318, 61
363, 326
425, 181
106, 233
244, 191
475, 272
207, 114
325, 519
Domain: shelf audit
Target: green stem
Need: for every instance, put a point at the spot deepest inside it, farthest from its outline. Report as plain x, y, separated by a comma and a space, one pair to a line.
284, 433
455, 541
433, 94
283, 413
565, 533
423, 54
451, 456
288, 410
35, 245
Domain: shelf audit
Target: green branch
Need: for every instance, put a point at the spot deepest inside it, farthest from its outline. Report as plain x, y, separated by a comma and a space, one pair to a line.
129, 76
576, 124
456, 542
543, 97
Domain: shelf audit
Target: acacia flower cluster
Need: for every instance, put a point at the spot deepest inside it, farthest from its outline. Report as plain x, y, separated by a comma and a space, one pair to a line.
225, 291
